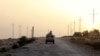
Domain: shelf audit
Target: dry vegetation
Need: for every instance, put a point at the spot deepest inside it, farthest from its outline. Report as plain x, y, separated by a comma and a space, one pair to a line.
91, 38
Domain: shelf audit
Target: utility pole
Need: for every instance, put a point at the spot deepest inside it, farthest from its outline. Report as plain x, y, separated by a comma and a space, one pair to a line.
13, 26
74, 26
32, 31
20, 30
27, 31
68, 30
80, 24
93, 14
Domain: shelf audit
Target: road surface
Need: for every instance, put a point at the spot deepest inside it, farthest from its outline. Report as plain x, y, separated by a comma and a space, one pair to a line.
60, 48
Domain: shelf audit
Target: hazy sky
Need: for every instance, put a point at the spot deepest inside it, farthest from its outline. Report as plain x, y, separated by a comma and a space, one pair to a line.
46, 15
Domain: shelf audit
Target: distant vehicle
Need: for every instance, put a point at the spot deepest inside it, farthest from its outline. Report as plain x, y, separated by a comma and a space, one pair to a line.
50, 38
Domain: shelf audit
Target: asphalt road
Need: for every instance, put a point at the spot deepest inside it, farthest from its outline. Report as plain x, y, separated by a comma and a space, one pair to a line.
60, 48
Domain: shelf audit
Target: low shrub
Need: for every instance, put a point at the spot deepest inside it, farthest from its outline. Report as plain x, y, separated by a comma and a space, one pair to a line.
15, 46
96, 45
24, 40
8, 55
3, 49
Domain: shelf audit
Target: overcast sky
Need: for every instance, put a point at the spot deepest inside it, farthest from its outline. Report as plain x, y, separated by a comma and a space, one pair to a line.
46, 15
